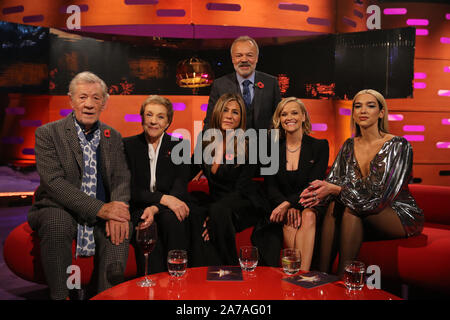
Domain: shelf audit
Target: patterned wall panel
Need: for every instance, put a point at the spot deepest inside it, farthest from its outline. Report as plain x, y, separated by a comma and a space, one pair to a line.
351, 16
20, 115
122, 113
427, 112
143, 16
431, 25
425, 118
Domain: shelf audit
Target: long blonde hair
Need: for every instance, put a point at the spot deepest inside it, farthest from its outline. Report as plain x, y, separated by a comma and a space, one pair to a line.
383, 124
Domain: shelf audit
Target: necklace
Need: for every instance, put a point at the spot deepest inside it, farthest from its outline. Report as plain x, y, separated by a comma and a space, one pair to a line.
292, 151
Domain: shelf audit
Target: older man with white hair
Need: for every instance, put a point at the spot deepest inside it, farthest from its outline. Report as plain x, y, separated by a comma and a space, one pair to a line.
84, 190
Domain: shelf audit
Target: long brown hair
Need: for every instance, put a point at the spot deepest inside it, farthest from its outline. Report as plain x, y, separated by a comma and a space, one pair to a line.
216, 115
216, 120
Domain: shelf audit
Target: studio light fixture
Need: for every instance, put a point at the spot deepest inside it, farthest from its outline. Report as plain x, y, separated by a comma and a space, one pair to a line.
194, 73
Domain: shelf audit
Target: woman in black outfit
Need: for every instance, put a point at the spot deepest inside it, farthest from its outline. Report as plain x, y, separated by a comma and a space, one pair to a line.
158, 186
236, 201
302, 159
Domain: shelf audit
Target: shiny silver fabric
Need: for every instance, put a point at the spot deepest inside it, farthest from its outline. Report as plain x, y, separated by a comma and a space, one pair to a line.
385, 185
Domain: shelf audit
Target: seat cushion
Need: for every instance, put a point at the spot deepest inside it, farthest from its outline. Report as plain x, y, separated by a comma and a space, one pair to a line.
434, 201
423, 260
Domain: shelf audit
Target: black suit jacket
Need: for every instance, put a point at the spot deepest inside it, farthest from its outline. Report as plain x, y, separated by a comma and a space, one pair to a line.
312, 165
264, 103
171, 179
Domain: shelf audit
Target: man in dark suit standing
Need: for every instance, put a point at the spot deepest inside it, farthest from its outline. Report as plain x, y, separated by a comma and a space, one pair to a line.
260, 90
84, 190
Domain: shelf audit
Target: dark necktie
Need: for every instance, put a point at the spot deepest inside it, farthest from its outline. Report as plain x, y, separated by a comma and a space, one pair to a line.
246, 93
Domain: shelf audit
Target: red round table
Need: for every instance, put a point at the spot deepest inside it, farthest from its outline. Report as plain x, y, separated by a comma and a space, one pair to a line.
263, 284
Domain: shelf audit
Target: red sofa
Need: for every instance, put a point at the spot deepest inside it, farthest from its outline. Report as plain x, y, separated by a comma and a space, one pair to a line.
21, 251
422, 261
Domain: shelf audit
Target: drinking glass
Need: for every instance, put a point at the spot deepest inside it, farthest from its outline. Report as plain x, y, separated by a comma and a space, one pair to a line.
354, 275
248, 258
177, 262
146, 238
291, 260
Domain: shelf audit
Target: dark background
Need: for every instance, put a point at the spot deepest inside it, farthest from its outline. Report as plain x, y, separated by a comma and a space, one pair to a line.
322, 67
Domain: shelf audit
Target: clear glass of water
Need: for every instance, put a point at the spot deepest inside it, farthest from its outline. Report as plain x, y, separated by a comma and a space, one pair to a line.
177, 262
248, 258
354, 275
291, 260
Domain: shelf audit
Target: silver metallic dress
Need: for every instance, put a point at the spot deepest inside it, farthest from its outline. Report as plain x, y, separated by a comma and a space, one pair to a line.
385, 185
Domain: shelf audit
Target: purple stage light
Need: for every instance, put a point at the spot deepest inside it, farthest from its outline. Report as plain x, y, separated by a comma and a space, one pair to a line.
420, 75
318, 21
179, 106
132, 2
319, 127
443, 145
345, 112
10, 10
133, 118
293, 6
349, 22
170, 13
12, 140
395, 11
30, 123
418, 128
36, 18
15, 111
395, 117
421, 32
28, 151
420, 85
223, 6
417, 137
64, 112
417, 22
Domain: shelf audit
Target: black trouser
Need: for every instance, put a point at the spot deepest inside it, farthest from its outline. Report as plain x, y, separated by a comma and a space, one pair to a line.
57, 229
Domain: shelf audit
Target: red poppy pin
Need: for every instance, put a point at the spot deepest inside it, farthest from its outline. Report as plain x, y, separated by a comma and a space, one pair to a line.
229, 156
107, 133
260, 85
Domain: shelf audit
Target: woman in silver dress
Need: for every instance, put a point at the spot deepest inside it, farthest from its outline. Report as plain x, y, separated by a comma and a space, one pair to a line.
367, 188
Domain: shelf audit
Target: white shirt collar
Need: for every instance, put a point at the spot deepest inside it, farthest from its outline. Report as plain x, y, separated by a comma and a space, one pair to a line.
240, 79
153, 156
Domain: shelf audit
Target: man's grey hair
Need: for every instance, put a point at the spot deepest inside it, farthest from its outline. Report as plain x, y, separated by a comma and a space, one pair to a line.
245, 38
88, 77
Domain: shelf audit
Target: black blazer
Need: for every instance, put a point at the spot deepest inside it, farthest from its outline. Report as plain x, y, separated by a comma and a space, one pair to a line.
171, 179
264, 103
230, 179
312, 165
